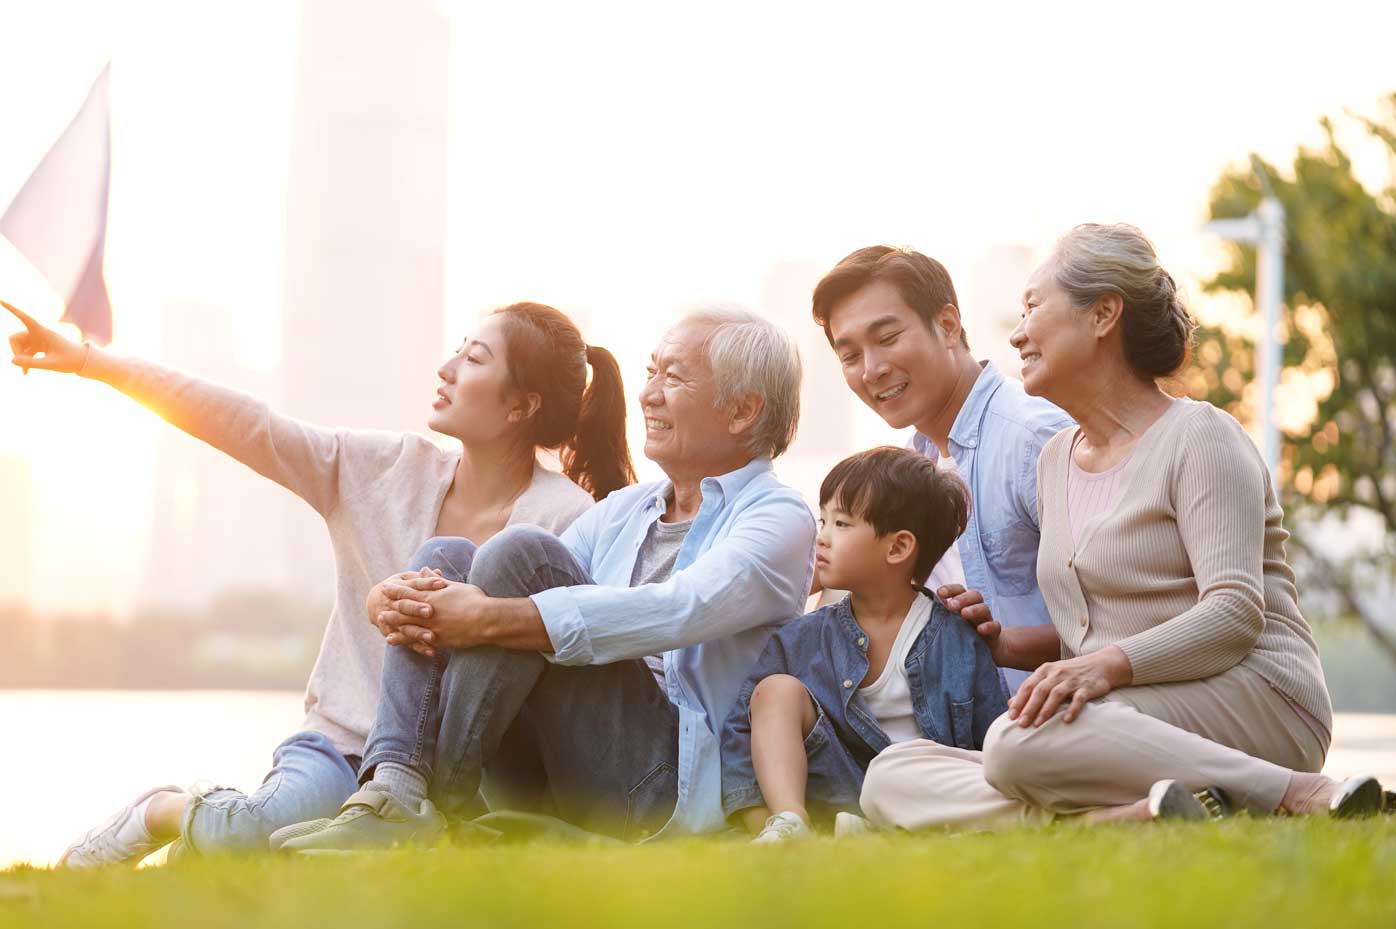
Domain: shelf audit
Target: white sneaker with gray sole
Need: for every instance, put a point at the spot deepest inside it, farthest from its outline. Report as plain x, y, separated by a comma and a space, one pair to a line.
783, 827
118, 840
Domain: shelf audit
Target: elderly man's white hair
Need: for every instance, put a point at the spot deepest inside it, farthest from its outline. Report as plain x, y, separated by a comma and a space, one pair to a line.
748, 354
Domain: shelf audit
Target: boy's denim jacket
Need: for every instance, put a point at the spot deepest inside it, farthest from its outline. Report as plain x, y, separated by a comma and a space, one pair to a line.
956, 689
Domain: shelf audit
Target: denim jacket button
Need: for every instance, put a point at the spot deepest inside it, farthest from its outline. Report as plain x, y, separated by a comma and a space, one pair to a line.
862, 642
847, 684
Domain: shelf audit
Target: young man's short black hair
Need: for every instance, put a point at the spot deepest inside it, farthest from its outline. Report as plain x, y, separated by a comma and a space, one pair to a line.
922, 281
896, 489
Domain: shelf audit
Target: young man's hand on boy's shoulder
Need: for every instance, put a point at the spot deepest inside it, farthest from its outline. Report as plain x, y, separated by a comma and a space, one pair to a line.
970, 606
1024, 648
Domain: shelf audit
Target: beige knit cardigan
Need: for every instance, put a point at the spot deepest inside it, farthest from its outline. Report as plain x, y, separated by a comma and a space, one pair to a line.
1186, 573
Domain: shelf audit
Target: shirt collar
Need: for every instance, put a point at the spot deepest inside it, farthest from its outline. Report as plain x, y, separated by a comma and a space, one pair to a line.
965, 431
722, 487
843, 614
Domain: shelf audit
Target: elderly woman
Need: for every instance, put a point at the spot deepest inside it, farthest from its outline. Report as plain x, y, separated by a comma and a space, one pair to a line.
1177, 659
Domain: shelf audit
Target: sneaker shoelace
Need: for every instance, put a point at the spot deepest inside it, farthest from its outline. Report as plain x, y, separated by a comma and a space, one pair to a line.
101, 844
781, 825
1210, 803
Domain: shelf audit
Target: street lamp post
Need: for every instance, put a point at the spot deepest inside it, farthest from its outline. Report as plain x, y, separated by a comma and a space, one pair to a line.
1265, 229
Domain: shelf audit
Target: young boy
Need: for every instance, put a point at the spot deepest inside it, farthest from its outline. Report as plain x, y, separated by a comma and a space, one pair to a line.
886, 664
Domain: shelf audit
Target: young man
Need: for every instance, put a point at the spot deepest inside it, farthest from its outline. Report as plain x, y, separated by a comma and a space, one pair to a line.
886, 664
893, 320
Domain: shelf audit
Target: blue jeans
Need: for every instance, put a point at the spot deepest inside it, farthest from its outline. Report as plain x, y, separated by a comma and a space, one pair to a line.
309, 779
594, 745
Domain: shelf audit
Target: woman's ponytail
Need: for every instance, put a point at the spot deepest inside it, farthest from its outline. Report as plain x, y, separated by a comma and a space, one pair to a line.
597, 457
547, 356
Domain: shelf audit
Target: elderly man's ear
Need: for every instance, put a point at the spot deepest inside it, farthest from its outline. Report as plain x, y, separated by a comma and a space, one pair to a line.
744, 413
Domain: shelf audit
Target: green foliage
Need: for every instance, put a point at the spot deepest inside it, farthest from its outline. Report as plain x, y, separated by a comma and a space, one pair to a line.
1340, 317
1241, 873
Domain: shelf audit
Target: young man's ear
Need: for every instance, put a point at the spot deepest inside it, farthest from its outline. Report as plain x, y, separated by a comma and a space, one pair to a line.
902, 547
745, 412
526, 408
948, 323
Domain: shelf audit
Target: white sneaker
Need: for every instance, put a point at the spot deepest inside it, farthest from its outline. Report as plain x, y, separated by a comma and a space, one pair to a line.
783, 827
847, 825
122, 839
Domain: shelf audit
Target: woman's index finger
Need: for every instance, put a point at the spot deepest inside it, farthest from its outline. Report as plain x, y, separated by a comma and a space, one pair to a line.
30, 322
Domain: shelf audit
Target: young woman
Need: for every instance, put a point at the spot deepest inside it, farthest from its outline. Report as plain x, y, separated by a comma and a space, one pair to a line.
517, 384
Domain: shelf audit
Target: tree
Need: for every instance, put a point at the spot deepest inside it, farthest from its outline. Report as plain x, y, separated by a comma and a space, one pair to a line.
1340, 325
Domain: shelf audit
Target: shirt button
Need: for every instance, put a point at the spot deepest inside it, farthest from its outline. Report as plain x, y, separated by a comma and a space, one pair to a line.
1068, 562
847, 684
1083, 620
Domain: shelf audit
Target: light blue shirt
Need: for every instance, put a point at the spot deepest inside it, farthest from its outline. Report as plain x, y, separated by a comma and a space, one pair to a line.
744, 569
995, 441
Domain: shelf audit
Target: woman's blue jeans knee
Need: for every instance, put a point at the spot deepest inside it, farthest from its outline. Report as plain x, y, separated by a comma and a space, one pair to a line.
309, 779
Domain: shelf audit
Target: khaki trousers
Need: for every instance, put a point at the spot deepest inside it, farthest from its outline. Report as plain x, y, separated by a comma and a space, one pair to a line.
1232, 731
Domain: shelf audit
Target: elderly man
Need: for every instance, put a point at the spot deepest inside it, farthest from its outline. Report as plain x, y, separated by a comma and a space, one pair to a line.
531, 651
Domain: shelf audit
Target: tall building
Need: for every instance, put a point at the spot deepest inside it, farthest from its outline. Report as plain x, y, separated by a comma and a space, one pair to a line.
365, 268
16, 530
213, 515
363, 327
827, 406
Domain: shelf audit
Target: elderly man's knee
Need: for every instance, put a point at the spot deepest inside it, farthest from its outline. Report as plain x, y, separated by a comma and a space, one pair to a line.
451, 555
511, 557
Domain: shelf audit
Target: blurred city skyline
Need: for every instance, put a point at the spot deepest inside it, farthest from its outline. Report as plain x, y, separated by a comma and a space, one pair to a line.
622, 163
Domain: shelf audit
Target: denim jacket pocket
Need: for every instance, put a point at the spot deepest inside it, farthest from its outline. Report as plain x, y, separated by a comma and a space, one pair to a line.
962, 724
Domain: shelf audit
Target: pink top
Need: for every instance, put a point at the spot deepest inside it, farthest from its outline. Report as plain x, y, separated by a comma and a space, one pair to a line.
1090, 495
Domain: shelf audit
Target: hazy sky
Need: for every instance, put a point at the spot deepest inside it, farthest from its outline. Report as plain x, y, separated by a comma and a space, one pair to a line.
623, 161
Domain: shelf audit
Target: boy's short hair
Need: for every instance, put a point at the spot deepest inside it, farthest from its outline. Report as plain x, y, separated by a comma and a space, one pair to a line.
922, 281
897, 489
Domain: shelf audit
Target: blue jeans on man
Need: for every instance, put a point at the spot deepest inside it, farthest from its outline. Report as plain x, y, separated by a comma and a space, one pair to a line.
596, 745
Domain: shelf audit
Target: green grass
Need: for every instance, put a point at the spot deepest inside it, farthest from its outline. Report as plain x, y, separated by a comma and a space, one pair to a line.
1236, 874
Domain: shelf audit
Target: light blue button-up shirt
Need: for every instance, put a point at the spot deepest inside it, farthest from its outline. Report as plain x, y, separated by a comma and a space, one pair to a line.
995, 441
745, 567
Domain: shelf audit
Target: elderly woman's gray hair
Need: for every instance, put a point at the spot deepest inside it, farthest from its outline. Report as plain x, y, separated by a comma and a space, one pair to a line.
749, 354
1156, 328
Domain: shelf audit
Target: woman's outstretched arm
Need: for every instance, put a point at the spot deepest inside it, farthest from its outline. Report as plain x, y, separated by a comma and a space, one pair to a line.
301, 457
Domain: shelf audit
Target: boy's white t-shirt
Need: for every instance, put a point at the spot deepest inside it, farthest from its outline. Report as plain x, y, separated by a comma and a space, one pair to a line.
889, 697
950, 569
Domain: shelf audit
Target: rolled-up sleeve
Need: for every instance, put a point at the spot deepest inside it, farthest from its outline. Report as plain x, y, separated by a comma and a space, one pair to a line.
757, 574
